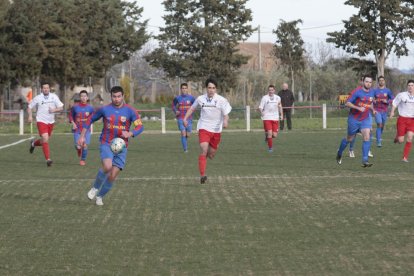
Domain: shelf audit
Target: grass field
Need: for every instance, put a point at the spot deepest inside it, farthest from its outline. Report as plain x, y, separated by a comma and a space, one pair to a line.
291, 212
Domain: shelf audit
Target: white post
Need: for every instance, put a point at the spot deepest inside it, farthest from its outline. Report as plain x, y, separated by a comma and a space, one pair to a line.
21, 122
324, 116
162, 119
247, 118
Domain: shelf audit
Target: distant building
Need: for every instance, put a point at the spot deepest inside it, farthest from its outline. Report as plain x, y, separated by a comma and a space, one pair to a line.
252, 49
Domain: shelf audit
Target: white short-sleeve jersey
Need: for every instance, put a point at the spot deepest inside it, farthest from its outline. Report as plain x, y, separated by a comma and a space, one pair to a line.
269, 106
212, 112
405, 104
43, 104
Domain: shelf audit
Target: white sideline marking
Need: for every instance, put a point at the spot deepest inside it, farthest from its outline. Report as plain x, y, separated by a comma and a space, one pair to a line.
15, 143
235, 177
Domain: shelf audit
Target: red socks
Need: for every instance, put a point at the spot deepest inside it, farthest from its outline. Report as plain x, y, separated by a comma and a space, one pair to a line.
46, 150
270, 143
407, 149
202, 164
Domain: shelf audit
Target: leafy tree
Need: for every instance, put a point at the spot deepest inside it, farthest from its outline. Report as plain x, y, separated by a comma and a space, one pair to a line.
200, 38
68, 40
289, 47
380, 27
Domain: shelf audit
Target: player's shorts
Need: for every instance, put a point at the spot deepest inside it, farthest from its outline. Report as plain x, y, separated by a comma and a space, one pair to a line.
181, 126
404, 125
381, 118
355, 126
118, 160
212, 138
44, 128
272, 125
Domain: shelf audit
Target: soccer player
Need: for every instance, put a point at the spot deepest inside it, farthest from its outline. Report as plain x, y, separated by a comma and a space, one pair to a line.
214, 116
80, 116
383, 97
404, 101
118, 120
47, 104
180, 105
359, 119
271, 109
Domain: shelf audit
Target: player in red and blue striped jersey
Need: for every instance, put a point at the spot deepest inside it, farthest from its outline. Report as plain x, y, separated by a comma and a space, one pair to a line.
383, 98
180, 105
119, 120
359, 120
80, 117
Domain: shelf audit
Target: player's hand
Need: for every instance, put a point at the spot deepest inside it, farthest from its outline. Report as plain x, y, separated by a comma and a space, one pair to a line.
74, 126
81, 141
126, 134
177, 113
185, 123
391, 115
361, 108
225, 123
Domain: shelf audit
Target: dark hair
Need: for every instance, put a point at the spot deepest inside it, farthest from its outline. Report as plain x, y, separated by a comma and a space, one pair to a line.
116, 89
410, 81
83, 92
211, 80
44, 83
366, 76
183, 84
271, 86
381, 77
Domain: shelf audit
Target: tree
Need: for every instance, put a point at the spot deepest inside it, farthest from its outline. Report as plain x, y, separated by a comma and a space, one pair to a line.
69, 40
200, 39
380, 27
289, 47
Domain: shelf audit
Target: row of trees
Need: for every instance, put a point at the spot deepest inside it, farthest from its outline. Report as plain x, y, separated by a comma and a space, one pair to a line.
70, 41
66, 41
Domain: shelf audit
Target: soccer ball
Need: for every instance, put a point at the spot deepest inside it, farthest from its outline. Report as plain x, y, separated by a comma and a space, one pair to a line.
117, 145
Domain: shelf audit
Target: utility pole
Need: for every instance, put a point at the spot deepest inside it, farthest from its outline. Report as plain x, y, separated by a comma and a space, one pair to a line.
260, 49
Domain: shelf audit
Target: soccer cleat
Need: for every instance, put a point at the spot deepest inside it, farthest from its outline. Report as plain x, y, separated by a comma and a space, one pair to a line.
92, 193
203, 179
370, 154
49, 162
338, 158
186, 151
270, 150
405, 160
351, 154
32, 146
99, 201
82, 163
379, 144
366, 165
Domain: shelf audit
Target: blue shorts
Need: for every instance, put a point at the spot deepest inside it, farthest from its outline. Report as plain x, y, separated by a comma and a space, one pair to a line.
355, 126
118, 160
181, 126
381, 117
76, 136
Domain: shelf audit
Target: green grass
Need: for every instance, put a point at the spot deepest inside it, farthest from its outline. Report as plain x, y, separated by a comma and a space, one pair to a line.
292, 212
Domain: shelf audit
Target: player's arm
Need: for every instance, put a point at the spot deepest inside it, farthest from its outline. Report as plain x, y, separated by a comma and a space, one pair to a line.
187, 115
225, 121
72, 115
95, 116
349, 103
394, 105
29, 115
174, 107
138, 127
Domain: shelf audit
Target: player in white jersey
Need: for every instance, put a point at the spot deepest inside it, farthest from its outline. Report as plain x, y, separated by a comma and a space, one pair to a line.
404, 101
271, 109
214, 116
47, 104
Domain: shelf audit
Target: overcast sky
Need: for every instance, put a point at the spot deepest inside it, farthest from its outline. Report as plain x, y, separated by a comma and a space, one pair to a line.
318, 16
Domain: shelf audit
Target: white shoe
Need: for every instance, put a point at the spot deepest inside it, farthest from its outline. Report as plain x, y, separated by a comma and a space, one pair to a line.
99, 201
92, 193
370, 154
351, 154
